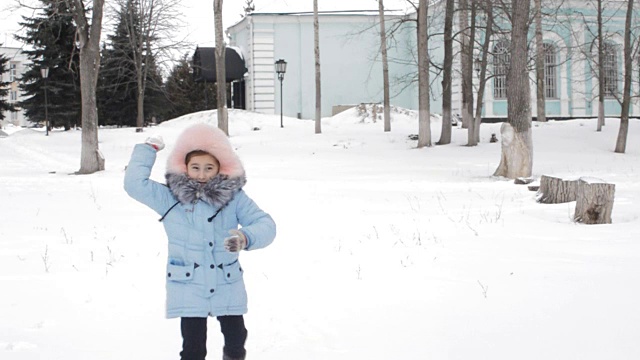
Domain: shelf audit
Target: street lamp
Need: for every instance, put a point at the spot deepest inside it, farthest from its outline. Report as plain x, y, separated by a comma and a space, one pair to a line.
45, 74
281, 68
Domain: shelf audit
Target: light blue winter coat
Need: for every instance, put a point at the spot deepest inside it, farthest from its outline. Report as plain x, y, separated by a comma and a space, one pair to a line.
203, 279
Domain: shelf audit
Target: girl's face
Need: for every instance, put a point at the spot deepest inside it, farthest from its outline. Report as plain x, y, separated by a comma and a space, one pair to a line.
202, 167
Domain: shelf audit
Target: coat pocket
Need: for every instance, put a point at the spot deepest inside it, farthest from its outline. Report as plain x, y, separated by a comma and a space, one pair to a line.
177, 271
232, 272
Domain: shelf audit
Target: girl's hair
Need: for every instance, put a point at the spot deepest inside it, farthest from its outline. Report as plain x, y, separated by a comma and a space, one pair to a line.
198, 153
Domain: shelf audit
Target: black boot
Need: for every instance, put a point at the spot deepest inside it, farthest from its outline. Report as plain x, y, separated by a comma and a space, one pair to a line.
227, 357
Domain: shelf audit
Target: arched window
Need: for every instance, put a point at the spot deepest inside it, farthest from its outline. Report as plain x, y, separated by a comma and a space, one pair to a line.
610, 65
550, 71
501, 61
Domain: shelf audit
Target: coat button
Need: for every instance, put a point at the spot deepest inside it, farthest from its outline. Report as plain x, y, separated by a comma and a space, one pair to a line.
228, 275
188, 274
169, 274
212, 290
210, 244
212, 266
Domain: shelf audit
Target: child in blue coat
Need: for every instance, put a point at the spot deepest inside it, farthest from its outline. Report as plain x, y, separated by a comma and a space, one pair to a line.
201, 207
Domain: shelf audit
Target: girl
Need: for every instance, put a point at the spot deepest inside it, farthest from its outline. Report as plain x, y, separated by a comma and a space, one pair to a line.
201, 206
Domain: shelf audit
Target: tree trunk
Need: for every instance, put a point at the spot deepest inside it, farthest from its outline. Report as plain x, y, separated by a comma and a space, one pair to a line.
424, 112
472, 137
89, 43
600, 69
221, 73
385, 68
556, 191
316, 53
488, 9
464, 60
540, 59
445, 136
594, 202
135, 32
621, 142
517, 143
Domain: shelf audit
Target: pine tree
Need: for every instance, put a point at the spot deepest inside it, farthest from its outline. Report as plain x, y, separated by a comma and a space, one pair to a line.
185, 95
51, 36
4, 88
118, 86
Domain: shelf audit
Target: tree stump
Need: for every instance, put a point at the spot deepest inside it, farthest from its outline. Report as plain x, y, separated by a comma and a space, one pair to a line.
523, 180
555, 190
594, 201
100, 160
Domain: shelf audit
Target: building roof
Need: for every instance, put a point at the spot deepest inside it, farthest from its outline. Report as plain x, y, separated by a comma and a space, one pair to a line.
204, 64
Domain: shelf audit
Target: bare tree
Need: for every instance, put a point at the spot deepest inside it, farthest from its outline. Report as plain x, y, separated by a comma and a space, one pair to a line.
621, 142
465, 40
600, 69
473, 138
488, 10
445, 135
150, 26
424, 112
385, 68
316, 53
517, 143
88, 37
540, 57
221, 73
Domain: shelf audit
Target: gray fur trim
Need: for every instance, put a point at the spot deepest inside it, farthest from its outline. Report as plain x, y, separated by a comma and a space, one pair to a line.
217, 192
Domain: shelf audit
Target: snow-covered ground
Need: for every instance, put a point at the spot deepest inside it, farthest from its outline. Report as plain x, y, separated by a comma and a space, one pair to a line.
384, 251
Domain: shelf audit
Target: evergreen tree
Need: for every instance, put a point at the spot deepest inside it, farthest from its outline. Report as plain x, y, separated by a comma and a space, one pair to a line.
185, 95
4, 88
51, 34
117, 86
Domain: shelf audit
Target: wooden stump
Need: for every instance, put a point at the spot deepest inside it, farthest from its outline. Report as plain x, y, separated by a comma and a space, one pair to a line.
523, 181
594, 201
555, 190
100, 160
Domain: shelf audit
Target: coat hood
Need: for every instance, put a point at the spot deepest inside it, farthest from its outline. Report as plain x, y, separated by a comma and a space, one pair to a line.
207, 138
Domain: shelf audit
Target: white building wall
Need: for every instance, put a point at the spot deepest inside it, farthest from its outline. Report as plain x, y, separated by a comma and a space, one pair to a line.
20, 61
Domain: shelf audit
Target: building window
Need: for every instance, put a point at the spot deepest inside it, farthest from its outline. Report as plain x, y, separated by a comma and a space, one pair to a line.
13, 72
550, 68
501, 61
13, 96
610, 65
14, 116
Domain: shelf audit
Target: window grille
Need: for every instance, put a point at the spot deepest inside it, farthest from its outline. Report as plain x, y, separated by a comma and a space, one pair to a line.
12, 72
550, 68
610, 65
501, 61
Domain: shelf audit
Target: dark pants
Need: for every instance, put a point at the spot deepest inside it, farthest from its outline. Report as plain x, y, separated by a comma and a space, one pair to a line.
194, 337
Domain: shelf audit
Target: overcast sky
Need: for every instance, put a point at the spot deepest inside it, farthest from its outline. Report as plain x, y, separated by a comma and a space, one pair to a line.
198, 14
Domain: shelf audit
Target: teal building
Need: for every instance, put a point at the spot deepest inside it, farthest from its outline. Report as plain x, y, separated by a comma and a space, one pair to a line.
351, 66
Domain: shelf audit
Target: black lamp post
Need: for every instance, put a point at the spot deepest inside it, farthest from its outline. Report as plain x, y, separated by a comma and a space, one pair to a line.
281, 68
45, 74
478, 66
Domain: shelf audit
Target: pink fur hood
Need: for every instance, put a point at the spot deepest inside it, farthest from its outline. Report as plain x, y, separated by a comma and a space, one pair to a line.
206, 138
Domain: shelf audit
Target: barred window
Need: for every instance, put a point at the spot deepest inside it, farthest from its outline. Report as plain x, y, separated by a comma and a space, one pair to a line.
12, 72
610, 65
501, 61
550, 75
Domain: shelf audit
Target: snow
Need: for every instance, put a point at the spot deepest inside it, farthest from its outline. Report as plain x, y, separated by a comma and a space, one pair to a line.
384, 251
